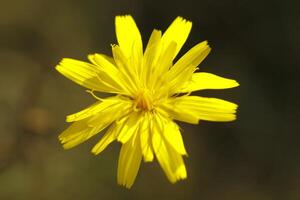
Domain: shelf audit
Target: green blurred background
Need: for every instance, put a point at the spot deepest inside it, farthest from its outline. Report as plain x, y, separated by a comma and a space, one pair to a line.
255, 157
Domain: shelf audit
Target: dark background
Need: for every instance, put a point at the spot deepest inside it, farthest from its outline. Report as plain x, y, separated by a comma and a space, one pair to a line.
255, 157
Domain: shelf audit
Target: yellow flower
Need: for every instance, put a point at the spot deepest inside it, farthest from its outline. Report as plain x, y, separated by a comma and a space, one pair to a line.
148, 93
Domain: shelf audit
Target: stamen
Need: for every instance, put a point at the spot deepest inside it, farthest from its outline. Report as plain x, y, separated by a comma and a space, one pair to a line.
135, 109
93, 94
143, 100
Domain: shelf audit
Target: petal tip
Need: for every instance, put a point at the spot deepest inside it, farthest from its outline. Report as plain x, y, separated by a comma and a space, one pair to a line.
183, 20
236, 83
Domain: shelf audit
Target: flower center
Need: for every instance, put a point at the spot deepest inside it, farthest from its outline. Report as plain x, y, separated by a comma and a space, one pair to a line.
143, 100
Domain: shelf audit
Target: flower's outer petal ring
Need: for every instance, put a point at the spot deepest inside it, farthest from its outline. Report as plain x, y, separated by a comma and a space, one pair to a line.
195, 108
128, 34
203, 81
84, 129
177, 32
108, 138
84, 74
168, 158
129, 162
98, 107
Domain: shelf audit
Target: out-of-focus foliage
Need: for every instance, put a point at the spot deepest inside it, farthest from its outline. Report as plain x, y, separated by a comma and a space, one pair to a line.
255, 157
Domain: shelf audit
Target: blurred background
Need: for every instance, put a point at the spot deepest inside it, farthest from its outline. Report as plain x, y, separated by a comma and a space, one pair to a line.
254, 157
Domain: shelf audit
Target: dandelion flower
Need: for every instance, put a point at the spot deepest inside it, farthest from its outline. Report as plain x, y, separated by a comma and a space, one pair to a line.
148, 92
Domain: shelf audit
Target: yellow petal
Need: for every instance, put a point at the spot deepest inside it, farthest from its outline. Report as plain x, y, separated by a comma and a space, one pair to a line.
151, 56
135, 61
101, 61
96, 108
84, 129
129, 162
108, 72
128, 72
177, 32
145, 136
83, 74
210, 109
202, 81
128, 34
108, 138
184, 68
193, 57
164, 62
173, 137
110, 135
130, 127
170, 160
113, 113
155, 37
79, 132
176, 114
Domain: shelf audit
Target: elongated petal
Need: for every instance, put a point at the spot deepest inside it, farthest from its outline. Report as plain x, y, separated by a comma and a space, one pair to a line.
202, 81
108, 72
130, 127
128, 72
129, 162
184, 68
155, 37
170, 160
113, 113
136, 59
111, 135
83, 74
108, 138
97, 107
79, 132
210, 109
193, 57
163, 64
173, 113
151, 56
128, 34
173, 137
101, 61
145, 136
177, 32
84, 129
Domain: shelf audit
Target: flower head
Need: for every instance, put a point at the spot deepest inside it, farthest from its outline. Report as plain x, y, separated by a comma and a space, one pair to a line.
149, 91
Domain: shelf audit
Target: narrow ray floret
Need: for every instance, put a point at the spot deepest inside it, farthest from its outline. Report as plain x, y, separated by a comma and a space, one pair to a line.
148, 92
